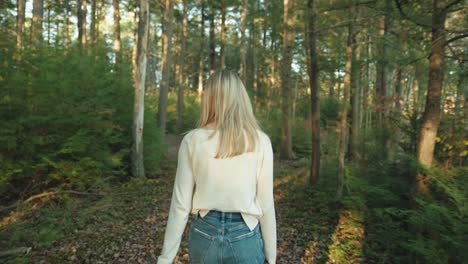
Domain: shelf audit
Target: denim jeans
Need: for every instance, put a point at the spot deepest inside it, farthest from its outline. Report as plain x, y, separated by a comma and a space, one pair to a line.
224, 238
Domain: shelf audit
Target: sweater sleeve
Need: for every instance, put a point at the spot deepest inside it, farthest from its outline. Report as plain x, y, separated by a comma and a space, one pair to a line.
266, 200
181, 205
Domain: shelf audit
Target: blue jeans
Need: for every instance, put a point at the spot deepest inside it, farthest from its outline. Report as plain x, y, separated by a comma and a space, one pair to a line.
224, 238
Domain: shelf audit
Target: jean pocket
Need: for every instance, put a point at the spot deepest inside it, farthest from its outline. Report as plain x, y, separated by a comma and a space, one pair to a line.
247, 247
199, 242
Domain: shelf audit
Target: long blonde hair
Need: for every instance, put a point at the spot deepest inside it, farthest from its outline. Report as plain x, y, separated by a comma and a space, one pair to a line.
226, 102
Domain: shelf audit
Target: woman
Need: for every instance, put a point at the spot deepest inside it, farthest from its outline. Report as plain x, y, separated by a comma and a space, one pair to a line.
224, 179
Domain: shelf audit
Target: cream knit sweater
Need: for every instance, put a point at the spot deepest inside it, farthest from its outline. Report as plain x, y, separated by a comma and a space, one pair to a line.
243, 183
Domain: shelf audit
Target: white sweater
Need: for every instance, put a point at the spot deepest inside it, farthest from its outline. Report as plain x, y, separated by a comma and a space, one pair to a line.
243, 183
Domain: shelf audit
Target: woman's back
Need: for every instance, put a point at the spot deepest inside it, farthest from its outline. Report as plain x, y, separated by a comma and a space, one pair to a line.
224, 173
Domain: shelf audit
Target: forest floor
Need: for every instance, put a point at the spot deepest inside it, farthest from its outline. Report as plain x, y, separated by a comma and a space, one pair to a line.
127, 225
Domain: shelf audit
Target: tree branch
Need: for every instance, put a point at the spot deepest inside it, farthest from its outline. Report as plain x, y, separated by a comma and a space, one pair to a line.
404, 15
456, 38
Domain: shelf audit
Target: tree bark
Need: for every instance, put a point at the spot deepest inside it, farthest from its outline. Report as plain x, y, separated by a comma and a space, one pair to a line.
36, 26
138, 168
432, 113
92, 30
66, 30
288, 43
314, 94
245, 4
342, 145
212, 41
354, 96
165, 65
222, 33
20, 17
182, 71
202, 53
381, 73
116, 27
82, 22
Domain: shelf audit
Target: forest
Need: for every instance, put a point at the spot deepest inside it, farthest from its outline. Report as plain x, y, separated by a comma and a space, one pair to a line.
364, 102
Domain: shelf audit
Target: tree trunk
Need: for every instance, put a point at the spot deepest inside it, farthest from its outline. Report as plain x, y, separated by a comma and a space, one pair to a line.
314, 94
117, 41
381, 76
202, 53
182, 70
138, 168
342, 146
66, 30
165, 65
20, 24
48, 7
245, 4
354, 96
288, 42
82, 22
212, 42
92, 31
223, 31
36, 26
432, 113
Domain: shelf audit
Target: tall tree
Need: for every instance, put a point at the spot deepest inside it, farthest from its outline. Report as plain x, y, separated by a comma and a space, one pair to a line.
342, 145
82, 11
165, 65
287, 49
92, 27
314, 92
138, 168
432, 113
212, 40
36, 25
202, 50
245, 4
117, 41
21, 7
354, 97
381, 71
182, 71
222, 33
66, 26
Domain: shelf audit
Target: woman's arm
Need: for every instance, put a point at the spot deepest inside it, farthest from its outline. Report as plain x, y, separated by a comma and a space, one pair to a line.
181, 205
266, 200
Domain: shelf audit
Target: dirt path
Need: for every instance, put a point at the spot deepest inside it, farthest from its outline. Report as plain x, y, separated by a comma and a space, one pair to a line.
129, 227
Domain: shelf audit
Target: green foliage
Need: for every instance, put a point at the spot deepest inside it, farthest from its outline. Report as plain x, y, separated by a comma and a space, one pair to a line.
154, 148
329, 110
452, 145
66, 121
421, 230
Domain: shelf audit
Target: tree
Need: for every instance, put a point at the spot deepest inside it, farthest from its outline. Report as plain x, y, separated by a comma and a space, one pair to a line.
138, 168
201, 52
36, 26
182, 72
82, 22
245, 5
287, 48
21, 7
117, 41
222, 33
431, 117
165, 65
314, 92
342, 146
92, 33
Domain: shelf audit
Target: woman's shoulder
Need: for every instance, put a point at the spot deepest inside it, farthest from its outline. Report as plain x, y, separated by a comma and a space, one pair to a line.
194, 133
264, 137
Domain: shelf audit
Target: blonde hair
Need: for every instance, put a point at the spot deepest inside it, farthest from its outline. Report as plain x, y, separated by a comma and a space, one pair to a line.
226, 102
